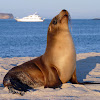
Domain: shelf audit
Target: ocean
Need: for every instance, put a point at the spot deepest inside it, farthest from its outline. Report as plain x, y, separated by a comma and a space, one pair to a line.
23, 39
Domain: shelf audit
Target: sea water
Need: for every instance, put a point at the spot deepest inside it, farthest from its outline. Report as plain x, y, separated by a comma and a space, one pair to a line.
28, 39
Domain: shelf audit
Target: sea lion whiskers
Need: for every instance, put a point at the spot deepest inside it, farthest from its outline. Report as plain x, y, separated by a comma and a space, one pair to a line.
69, 17
69, 20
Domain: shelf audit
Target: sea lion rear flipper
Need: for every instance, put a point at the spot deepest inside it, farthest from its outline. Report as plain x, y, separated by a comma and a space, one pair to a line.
74, 78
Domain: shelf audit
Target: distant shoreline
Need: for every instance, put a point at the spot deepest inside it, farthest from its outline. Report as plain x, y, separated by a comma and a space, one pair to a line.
96, 19
6, 16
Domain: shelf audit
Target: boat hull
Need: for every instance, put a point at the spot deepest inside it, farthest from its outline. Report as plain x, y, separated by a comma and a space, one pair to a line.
21, 20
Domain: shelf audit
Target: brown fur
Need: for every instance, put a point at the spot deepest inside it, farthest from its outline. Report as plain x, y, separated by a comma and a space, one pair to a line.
47, 70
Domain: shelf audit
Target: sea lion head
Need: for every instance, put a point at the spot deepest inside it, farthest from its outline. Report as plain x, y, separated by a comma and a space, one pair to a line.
59, 22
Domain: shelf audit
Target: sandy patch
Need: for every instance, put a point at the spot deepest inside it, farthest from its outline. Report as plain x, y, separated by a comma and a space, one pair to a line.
88, 69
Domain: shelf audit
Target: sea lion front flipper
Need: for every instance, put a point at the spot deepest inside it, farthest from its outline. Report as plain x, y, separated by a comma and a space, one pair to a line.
74, 78
51, 78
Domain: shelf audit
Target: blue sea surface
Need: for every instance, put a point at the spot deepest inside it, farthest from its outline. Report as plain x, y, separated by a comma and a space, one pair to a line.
23, 39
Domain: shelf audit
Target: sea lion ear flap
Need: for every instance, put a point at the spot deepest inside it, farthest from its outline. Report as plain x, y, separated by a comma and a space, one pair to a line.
49, 29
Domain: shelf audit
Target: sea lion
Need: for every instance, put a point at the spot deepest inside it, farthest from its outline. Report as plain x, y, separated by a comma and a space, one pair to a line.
56, 66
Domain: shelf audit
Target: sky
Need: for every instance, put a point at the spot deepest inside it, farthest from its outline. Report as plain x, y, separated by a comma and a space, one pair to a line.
78, 9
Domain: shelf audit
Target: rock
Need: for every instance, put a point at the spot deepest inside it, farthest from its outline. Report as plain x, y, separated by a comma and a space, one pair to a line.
6, 16
96, 19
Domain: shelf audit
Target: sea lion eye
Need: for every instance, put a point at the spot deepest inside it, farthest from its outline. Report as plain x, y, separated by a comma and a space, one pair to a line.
55, 21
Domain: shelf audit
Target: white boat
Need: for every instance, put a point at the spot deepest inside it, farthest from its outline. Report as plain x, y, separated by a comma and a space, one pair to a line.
31, 18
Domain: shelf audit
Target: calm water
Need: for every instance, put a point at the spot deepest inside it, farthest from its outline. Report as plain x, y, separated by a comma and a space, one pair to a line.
29, 39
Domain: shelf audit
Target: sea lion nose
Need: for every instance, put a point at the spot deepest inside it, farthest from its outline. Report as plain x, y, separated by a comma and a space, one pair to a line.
64, 10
